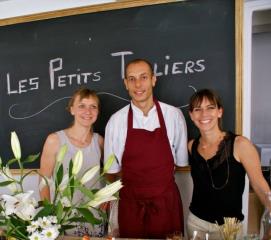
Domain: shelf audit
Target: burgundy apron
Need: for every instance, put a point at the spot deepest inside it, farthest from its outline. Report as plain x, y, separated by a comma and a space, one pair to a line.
150, 204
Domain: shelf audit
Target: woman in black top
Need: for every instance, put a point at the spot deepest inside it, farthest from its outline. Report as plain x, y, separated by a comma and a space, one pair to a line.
219, 161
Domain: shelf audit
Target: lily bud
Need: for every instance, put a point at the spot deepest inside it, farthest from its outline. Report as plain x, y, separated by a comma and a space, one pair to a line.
96, 202
110, 189
15, 145
61, 153
105, 194
77, 162
64, 183
90, 174
109, 162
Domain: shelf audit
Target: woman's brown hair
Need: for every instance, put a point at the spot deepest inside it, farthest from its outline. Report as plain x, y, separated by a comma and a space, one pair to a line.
197, 98
83, 93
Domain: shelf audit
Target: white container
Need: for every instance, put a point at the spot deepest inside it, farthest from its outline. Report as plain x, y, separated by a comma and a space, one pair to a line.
264, 150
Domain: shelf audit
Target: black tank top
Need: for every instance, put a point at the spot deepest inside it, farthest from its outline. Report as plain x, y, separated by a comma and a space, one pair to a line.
218, 186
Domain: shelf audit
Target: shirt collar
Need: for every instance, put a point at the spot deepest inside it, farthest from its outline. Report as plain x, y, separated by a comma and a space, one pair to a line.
138, 111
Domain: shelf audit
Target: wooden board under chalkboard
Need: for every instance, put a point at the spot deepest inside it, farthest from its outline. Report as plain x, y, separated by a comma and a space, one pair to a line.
45, 57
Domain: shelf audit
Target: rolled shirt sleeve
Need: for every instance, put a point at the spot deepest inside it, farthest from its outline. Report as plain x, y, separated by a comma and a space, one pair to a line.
115, 138
180, 140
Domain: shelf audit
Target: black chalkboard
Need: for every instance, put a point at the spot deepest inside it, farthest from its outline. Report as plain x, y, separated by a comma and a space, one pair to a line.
191, 44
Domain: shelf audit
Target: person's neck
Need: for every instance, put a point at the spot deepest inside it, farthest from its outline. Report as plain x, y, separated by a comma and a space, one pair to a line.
145, 107
211, 138
79, 133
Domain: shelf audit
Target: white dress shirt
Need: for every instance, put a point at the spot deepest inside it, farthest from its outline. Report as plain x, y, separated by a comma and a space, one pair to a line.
116, 132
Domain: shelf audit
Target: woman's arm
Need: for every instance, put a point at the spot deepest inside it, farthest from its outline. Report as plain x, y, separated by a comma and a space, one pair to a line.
47, 161
101, 144
246, 153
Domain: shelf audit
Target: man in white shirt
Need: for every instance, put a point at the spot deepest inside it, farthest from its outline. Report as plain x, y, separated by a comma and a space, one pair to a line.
148, 138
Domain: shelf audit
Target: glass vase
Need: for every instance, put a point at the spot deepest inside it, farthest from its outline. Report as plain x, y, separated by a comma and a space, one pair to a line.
266, 219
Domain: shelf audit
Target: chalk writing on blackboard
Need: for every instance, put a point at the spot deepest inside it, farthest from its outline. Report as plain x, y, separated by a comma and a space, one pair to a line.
58, 80
12, 108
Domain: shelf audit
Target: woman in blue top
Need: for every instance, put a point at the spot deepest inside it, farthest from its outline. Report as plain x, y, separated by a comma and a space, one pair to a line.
219, 162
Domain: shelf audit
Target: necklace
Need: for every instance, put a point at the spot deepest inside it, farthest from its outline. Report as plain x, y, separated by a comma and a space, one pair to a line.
208, 145
228, 171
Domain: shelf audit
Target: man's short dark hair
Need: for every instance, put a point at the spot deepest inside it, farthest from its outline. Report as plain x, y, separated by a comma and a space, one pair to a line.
138, 60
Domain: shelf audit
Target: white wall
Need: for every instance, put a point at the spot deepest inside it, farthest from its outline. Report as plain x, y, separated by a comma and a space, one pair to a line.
250, 7
261, 87
14, 8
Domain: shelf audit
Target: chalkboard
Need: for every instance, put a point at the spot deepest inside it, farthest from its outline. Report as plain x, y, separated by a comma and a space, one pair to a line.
191, 44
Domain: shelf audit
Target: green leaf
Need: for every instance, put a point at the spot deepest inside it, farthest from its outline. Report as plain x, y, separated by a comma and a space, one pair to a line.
67, 192
70, 168
59, 211
103, 215
59, 175
77, 219
5, 183
46, 211
66, 227
3, 224
11, 161
44, 203
87, 192
31, 158
88, 215
71, 185
20, 226
71, 182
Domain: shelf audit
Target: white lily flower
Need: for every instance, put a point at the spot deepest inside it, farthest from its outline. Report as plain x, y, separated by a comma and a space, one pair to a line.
109, 190
105, 194
61, 153
109, 162
77, 162
15, 145
90, 174
26, 208
8, 202
64, 183
7, 175
22, 204
98, 201
26, 212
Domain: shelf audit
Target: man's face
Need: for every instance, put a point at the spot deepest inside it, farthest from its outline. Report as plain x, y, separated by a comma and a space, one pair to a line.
139, 82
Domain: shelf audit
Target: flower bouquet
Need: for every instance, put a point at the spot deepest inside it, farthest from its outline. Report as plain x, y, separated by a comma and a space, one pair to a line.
23, 217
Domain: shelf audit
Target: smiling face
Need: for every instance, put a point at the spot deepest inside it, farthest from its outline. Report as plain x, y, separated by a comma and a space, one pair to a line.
139, 82
206, 115
85, 111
